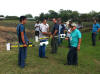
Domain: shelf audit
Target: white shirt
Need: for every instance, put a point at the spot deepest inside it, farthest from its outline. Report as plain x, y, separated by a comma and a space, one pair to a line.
68, 33
37, 27
43, 28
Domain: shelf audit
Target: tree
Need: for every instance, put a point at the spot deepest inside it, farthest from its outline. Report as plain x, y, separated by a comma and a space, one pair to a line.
42, 16
29, 16
12, 17
52, 14
65, 14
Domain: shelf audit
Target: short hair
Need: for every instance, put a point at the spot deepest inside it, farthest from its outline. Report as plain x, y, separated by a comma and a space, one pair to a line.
43, 19
37, 21
54, 19
94, 19
22, 18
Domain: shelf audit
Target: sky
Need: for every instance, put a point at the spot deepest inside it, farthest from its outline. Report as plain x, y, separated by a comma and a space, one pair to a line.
35, 7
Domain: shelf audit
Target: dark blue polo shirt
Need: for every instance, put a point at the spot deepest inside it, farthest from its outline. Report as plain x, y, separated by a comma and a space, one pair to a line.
21, 28
55, 27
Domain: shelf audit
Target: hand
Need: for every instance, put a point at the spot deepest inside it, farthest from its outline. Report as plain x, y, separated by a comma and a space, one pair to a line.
78, 48
66, 38
68, 32
51, 36
94, 32
24, 45
49, 33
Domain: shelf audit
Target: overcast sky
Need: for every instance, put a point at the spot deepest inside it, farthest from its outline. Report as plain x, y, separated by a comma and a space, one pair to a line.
35, 7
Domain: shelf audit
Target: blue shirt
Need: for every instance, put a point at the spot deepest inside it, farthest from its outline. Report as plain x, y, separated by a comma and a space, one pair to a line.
21, 28
55, 27
62, 29
74, 37
95, 28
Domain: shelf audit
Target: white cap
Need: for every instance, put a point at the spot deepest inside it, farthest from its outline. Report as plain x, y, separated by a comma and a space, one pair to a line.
67, 22
73, 24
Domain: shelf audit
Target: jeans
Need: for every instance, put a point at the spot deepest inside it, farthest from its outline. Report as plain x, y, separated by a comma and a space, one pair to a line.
72, 58
54, 45
42, 49
69, 42
22, 56
93, 39
59, 41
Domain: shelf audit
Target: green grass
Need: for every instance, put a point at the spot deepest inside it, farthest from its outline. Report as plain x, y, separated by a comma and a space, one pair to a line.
89, 60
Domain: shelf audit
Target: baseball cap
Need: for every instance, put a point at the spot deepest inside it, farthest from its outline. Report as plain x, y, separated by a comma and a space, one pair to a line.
73, 24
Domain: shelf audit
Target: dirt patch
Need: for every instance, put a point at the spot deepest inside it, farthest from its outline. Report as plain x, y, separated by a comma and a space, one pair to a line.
96, 61
8, 34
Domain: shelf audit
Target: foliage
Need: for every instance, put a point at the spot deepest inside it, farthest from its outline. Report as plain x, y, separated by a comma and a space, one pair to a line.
29, 16
69, 14
12, 17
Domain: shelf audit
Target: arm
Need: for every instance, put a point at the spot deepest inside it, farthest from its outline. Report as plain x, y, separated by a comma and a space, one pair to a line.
23, 40
98, 30
47, 33
79, 43
22, 37
55, 32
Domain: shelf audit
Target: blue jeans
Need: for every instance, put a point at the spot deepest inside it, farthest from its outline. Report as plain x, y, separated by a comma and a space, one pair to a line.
72, 57
22, 56
59, 41
93, 39
42, 49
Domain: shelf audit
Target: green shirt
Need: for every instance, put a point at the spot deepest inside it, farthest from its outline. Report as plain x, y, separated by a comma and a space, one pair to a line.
74, 37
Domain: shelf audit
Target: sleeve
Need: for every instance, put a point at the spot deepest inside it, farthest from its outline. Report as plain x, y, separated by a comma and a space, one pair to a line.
79, 34
41, 28
47, 26
21, 28
57, 27
98, 26
35, 25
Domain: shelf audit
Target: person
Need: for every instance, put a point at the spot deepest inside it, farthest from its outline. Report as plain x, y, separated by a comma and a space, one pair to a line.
37, 31
95, 30
60, 27
68, 33
23, 40
44, 32
54, 40
75, 42
79, 26
62, 30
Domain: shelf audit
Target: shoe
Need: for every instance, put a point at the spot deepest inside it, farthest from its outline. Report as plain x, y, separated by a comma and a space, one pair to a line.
45, 57
65, 64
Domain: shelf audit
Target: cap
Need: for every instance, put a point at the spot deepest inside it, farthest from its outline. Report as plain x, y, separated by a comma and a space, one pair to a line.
73, 24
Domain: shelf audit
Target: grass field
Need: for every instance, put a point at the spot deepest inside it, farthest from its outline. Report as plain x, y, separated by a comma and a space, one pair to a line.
89, 60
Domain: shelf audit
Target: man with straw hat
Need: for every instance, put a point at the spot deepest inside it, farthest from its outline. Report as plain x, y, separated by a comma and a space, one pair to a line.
75, 41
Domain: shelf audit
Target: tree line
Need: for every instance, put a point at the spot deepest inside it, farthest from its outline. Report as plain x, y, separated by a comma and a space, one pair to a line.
64, 15
69, 14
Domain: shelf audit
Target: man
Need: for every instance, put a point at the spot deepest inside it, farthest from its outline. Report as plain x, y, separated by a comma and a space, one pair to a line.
44, 32
75, 42
37, 31
60, 27
68, 32
62, 30
54, 40
22, 41
95, 30
79, 26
